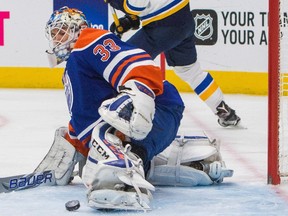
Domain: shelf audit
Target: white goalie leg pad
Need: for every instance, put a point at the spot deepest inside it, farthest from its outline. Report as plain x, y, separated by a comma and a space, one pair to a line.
62, 158
110, 169
120, 200
189, 161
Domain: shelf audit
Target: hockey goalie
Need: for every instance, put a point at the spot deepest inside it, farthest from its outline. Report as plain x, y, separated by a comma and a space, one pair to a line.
124, 120
115, 177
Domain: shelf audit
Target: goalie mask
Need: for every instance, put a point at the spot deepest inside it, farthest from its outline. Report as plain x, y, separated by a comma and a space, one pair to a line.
62, 30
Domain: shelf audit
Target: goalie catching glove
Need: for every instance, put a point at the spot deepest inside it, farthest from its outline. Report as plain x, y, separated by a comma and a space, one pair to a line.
132, 111
125, 24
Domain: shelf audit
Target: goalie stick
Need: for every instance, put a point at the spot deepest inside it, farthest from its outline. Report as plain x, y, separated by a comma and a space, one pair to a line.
26, 181
116, 20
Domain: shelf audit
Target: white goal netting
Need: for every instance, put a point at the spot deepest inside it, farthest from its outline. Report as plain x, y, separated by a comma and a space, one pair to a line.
283, 106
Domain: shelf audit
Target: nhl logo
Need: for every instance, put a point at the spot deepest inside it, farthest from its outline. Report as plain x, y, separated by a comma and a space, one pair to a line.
206, 26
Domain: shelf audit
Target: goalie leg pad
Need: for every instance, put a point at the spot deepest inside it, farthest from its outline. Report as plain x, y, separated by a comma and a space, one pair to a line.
110, 169
120, 200
189, 161
165, 175
62, 158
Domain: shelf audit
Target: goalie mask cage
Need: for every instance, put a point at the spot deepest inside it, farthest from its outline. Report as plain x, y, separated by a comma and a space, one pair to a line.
278, 92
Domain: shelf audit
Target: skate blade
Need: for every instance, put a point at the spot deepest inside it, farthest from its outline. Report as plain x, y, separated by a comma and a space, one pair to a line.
239, 125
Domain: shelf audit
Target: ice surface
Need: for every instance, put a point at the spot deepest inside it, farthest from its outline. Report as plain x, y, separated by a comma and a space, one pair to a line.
28, 119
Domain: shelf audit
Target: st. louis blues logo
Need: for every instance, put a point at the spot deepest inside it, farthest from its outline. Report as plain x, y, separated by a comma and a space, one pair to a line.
204, 27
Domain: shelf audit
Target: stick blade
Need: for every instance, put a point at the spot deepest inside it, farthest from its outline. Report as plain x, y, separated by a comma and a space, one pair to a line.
26, 181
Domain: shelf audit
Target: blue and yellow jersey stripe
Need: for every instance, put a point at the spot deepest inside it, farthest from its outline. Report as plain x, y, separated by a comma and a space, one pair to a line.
136, 7
150, 11
163, 12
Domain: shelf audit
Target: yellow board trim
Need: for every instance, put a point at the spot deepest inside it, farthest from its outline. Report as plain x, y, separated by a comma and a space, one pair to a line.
28, 77
229, 81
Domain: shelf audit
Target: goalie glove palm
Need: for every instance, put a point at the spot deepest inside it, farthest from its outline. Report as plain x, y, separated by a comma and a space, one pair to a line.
132, 111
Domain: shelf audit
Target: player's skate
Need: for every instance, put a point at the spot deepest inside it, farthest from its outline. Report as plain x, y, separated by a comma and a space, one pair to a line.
227, 116
114, 175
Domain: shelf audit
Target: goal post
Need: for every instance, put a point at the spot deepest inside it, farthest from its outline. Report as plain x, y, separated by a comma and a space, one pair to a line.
277, 92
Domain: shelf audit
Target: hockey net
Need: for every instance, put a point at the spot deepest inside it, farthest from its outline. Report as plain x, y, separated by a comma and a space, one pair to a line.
278, 92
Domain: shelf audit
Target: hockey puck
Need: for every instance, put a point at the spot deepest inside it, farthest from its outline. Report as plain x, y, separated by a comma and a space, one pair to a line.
72, 205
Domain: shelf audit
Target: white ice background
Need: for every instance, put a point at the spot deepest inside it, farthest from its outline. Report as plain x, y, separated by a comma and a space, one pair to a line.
29, 118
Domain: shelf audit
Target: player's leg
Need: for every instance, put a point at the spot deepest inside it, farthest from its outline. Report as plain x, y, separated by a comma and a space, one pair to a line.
142, 40
155, 40
180, 52
183, 58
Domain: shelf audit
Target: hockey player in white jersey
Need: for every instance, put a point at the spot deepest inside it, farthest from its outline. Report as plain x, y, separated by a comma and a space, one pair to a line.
123, 114
168, 26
